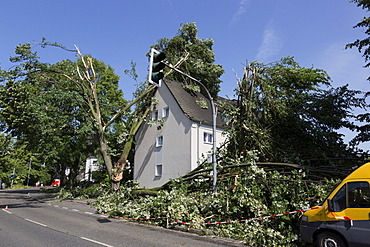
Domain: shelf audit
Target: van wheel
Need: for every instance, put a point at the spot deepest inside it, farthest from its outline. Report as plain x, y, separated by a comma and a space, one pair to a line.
329, 239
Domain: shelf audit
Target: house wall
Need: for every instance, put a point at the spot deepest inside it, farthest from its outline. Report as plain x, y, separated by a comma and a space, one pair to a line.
174, 155
183, 146
201, 150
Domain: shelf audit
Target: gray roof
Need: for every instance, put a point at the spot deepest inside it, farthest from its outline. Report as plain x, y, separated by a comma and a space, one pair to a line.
188, 104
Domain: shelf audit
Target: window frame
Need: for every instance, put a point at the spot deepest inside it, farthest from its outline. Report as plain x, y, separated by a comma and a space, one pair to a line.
158, 170
165, 112
207, 137
159, 141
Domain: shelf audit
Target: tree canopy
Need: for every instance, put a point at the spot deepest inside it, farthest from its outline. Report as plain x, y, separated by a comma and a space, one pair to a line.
363, 46
200, 59
283, 112
56, 112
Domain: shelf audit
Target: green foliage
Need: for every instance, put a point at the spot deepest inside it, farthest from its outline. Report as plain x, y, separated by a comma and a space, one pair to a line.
283, 112
191, 87
202, 103
49, 107
83, 191
41, 107
249, 192
363, 45
16, 157
200, 63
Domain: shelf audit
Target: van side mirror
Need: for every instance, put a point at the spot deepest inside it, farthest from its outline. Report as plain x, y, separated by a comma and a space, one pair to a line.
330, 205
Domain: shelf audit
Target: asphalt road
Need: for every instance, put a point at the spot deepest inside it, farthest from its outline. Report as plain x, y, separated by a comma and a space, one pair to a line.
33, 220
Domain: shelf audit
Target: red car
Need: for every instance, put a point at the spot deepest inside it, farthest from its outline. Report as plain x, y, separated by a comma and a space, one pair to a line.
56, 182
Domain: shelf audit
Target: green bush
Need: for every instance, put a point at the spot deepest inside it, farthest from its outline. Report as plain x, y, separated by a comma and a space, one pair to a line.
83, 191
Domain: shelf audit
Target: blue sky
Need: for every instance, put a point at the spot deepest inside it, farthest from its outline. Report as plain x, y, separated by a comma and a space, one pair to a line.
117, 32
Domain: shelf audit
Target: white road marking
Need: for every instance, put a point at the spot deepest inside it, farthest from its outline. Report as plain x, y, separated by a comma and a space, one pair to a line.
6, 211
35, 222
76, 210
72, 209
97, 242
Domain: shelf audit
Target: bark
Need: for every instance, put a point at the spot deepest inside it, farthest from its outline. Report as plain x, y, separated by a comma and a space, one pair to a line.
104, 152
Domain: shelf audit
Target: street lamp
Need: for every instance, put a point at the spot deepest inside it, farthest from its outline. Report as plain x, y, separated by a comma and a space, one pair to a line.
213, 108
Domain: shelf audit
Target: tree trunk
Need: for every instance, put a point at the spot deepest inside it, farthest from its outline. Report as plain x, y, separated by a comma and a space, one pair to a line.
116, 185
120, 165
104, 152
119, 168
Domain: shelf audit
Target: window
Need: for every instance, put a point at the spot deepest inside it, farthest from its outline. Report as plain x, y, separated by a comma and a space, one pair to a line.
159, 141
158, 170
158, 161
339, 200
358, 195
165, 112
155, 115
207, 137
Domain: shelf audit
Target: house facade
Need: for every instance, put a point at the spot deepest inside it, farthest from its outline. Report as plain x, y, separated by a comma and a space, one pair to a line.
178, 138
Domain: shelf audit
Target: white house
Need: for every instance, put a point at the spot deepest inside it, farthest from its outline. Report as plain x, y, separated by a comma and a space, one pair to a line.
180, 139
91, 165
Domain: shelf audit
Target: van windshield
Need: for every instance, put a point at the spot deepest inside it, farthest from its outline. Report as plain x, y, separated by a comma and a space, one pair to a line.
332, 190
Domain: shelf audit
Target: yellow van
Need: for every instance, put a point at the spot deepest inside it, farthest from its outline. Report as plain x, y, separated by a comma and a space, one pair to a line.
344, 217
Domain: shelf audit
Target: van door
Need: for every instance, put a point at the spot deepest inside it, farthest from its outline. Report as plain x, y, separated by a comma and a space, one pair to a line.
357, 208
